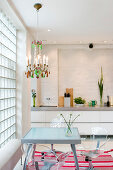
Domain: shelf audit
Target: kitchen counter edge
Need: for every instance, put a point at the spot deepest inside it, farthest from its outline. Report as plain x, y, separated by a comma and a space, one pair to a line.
72, 108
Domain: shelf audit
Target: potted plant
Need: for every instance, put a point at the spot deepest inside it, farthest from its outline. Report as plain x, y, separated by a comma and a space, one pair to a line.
100, 85
79, 101
33, 96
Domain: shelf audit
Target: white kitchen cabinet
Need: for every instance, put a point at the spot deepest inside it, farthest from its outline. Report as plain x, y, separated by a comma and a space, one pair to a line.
84, 122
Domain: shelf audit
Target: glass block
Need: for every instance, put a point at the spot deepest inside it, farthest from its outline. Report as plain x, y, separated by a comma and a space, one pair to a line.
2, 125
9, 102
1, 104
1, 82
2, 137
6, 124
6, 83
6, 62
1, 93
6, 93
2, 116
9, 132
6, 114
2, 72
0, 59
6, 72
9, 112
5, 134
6, 103
0, 47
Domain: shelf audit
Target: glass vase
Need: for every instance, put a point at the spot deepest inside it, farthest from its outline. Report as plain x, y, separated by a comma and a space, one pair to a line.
69, 131
33, 101
101, 102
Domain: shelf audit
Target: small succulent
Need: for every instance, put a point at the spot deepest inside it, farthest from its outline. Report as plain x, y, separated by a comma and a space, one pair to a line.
79, 100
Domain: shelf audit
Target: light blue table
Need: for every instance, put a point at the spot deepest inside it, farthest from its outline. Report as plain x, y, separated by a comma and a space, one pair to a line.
50, 136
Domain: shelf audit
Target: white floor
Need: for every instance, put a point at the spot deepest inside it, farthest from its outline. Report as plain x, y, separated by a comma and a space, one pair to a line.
88, 144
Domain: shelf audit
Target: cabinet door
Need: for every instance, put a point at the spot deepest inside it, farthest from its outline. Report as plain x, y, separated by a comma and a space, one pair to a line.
37, 116
85, 128
50, 115
87, 116
106, 116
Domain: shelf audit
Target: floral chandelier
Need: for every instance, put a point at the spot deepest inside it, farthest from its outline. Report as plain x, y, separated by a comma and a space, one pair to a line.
39, 68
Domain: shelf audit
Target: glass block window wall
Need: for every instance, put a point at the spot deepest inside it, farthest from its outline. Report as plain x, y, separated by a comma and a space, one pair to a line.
7, 80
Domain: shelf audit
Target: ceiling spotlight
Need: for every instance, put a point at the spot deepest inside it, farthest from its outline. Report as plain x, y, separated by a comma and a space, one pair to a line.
91, 45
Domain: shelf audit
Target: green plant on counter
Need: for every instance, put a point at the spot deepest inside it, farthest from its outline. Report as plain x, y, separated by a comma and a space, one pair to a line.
100, 85
79, 100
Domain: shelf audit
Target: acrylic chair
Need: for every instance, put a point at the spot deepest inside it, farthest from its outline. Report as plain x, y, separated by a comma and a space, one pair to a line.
55, 123
49, 162
96, 132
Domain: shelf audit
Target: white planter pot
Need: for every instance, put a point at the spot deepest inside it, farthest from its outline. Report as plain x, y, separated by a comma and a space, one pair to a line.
79, 105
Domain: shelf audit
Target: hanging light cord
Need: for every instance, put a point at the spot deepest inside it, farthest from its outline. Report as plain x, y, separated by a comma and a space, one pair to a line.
37, 23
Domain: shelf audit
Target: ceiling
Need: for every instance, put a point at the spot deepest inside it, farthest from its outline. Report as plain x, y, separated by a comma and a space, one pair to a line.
70, 21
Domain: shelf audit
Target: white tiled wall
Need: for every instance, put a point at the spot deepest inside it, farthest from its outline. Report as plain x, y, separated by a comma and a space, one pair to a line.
49, 86
77, 67
80, 70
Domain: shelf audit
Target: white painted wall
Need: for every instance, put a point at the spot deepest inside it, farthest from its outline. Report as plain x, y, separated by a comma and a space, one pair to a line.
78, 67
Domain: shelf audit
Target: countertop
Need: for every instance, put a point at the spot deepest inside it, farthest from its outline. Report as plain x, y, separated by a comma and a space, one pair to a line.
81, 108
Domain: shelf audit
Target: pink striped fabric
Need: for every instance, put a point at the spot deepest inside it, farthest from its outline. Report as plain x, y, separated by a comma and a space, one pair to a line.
103, 162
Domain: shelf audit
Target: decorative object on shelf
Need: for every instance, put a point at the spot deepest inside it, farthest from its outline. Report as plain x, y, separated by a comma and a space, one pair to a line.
79, 101
100, 85
38, 67
33, 96
66, 100
111, 100
93, 103
108, 102
61, 101
69, 123
70, 91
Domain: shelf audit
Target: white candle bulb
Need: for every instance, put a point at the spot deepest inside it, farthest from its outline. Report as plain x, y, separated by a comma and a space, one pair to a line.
47, 60
38, 59
44, 59
29, 59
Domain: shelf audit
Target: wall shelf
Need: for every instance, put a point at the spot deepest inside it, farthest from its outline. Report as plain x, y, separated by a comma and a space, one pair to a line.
85, 108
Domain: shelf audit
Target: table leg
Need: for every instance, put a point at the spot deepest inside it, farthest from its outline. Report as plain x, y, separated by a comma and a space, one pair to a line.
34, 148
27, 155
75, 156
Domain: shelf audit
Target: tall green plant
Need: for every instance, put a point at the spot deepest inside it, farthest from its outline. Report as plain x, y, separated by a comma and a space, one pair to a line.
100, 85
